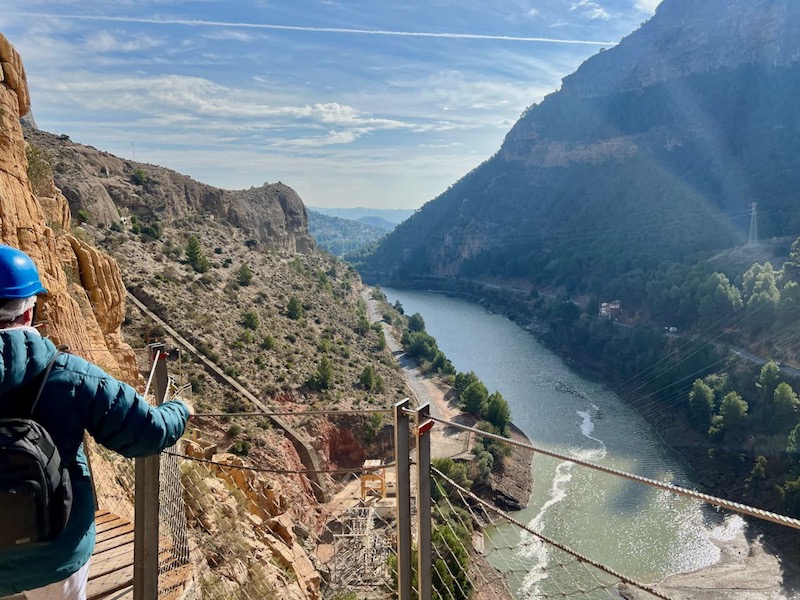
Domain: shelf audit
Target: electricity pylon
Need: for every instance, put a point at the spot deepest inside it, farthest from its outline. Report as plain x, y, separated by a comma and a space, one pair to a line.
753, 239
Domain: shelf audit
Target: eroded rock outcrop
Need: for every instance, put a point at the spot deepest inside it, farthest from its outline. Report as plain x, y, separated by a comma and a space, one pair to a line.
83, 309
247, 517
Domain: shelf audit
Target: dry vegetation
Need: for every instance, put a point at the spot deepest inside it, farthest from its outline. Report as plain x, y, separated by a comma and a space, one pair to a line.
244, 323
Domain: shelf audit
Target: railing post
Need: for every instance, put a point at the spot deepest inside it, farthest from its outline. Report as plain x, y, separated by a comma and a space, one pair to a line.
145, 523
424, 560
403, 482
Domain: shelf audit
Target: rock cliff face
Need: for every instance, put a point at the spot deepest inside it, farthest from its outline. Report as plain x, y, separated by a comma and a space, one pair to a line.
687, 37
84, 307
683, 39
109, 188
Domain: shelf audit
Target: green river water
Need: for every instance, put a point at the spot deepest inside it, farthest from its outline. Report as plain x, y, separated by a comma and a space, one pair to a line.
641, 532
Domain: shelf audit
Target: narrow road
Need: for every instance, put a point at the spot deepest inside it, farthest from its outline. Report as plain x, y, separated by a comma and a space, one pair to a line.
446, 442
741, 352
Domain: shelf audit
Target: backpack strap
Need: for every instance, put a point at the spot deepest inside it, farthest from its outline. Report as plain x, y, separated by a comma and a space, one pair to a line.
21, 406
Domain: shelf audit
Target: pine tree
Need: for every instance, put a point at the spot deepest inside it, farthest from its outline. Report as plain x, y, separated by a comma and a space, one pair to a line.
195, 256
244, 276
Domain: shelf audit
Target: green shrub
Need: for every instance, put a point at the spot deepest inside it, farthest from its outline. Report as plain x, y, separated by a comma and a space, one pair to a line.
151, 232
244, 276
83, 215
194, 254
250, 320
240, 448
294, 309
139, 177
40, 172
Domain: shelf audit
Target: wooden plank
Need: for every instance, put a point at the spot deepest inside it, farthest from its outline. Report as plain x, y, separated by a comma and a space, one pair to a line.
101, 589
124, 536
104, 518
112, 566
110, 561
114, 533
113, 578
109, 525
113, 552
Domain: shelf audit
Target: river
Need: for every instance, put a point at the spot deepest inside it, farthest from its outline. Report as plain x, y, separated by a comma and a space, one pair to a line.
643, 533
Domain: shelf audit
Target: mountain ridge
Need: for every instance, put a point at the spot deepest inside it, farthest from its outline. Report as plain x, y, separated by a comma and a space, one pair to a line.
667, 45
108, 188
591, 184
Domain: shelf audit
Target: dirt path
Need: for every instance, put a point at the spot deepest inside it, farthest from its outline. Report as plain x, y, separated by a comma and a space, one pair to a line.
446, 442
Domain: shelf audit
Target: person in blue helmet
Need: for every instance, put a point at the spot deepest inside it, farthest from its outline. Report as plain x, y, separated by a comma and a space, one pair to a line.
76, 396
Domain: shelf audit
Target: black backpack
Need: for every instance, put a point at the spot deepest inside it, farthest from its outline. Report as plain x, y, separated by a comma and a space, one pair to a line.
35, 488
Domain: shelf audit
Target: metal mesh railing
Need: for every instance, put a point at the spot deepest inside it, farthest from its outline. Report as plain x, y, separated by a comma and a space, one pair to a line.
363, 554
249, 541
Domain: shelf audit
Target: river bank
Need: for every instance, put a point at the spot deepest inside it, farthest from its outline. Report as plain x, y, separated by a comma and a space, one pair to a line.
746, 570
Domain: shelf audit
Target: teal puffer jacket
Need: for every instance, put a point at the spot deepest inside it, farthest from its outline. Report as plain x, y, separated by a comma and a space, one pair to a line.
78, 396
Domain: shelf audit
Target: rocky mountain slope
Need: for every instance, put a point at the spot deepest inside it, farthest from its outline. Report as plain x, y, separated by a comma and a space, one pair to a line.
652, 151
109, 189
288, 326
85, 304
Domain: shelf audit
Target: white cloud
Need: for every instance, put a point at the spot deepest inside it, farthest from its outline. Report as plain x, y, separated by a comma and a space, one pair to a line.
648, 6
590, 9
332, 138
106, 41
231, 35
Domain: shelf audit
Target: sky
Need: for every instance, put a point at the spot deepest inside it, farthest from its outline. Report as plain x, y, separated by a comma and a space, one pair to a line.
351, 103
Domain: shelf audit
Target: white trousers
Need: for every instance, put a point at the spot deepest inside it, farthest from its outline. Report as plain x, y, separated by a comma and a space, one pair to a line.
71, 588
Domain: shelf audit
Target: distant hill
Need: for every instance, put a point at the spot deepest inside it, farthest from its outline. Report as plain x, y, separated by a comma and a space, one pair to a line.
652, 151
341, 236
393, 215
378, 222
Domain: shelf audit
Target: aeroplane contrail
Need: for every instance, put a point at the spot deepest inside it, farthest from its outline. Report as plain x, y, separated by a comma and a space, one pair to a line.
384, 32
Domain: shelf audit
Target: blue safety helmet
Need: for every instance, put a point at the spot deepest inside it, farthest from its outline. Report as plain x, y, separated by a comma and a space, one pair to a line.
18, 275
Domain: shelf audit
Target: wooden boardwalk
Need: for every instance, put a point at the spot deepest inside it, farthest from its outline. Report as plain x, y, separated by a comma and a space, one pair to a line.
111, 569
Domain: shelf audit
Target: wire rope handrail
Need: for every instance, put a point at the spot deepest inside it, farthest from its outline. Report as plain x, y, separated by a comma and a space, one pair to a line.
299, 413
278, 471
737, 507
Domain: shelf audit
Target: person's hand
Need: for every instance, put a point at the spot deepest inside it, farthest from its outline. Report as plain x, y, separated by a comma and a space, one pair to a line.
189, 407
